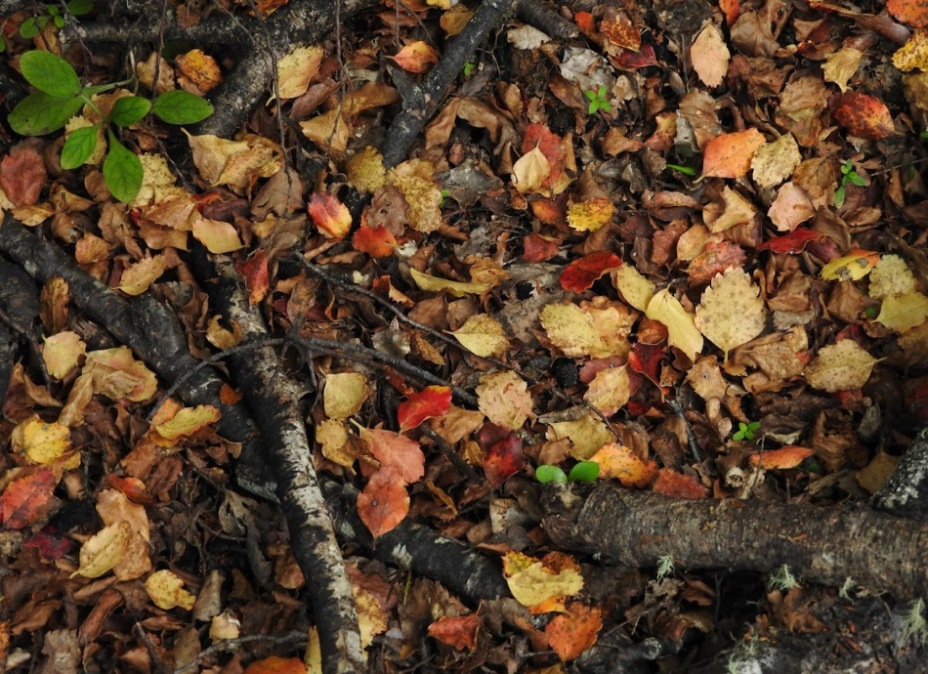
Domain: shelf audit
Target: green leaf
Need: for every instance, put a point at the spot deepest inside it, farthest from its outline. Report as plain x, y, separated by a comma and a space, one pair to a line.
585, 471
59, 21
547, 473
2, 44
80, 7
839, 197
38, 114
28, 29
856, 179
122, 171
54, 11
78, 147
49, 73
181, 107
685, 170
129, 110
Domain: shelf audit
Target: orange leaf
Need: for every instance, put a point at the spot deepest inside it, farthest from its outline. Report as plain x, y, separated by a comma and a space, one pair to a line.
22, 174
620, 462
864, 116
580, 274
729, 155
618, 29
430, 402
276, 665
416, 57
27, 498
384, 502
397, 451
731, 9
571, 633
255, 271
783, 458
911, 12
330, 215
671, 483
132, 487
375, 241
459, 632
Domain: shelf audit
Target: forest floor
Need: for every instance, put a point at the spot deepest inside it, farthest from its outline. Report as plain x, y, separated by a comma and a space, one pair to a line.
675, 248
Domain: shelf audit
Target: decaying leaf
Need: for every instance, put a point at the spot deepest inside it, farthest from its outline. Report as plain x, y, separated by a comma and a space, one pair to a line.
730, 313
504, 398
842, 366
532, 582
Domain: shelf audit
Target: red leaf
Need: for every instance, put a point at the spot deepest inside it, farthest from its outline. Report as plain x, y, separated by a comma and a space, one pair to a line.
27, 498
459, 632
646, 359
398, 451
864, 116
715, 258
430, 402
643, 58
587, 24
504, 460
794, 242
384, 502
22, 174
375, 241
671, 483
580, 274
50, 544
255, 271
330, 215
551, 146
539, 248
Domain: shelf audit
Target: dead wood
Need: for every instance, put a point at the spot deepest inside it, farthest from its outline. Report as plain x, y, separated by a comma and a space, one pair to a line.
820, 544
905, 492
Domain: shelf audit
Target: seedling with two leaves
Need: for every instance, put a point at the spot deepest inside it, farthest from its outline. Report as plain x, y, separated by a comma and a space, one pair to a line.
848, 177
61, 95
585, 471
746, 431
34, 25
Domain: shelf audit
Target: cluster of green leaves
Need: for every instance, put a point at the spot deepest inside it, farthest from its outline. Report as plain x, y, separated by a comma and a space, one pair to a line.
597, 100
61, 95
746, 431
585, 471
848, 177
35, 24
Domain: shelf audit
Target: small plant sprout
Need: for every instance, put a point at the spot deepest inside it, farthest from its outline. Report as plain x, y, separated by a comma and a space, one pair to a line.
746, 431
664, 566
848, 177
60, 96
469, 68
680, 168
915, 628
585, 471
783, 579
597, 100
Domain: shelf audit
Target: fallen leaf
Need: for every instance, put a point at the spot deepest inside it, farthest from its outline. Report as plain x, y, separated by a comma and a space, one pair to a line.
384, 501
840, 66
296, 69
503, 460
530, 172
187, 422
375, 241
590, 214
329, 215
429, 403
236, 163
851, 267
396, 451
62, 353
344, 394
219, 237
730, 312
483, 335
22, 174
456, 288
783, 458
139, 276
417, 57
41, 442
843, 366
27, 498
166, 590
730, 155
104, 550
682, 332
459, 632
775, 162
620, 462
117, 374
677, 485
903, 312
580, 274
710, 55
609, 390
573, 632
635, 288
865, 116
201, 69
532, 582
504, 398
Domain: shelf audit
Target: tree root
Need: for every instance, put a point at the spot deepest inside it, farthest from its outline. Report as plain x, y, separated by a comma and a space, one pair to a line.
819, 544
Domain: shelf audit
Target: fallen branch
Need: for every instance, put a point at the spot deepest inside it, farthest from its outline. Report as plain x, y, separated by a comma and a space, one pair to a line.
820, 544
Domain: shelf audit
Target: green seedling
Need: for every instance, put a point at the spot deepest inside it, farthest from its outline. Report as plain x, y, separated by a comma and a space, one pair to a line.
34, 25
664, 566
848, 177
61, 95
585, 471
445, 193
597, 100
469, 68
685, 170
746, 431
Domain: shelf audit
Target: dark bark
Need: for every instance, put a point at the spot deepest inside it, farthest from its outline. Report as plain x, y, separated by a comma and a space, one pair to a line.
819, 544
905, 493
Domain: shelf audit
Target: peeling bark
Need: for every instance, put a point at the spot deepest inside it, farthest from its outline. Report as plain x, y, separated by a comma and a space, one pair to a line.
819, 544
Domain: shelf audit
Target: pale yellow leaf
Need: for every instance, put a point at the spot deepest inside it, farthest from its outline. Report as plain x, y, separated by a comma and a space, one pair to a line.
104, 550
842, 366
236, 163
483, 335
42, 442
344, 394
710, 55
504, 398
609, 390
296, 69
575, 331
587, 434
903, 312
532, 583
530, 171
635, 288
333, 436
681, 326
138, 276
775, 162
841, 65
456, 288
891, 276
117, 374
329, 131
217, 235
188, 421
61, 353
730, 312
166, 590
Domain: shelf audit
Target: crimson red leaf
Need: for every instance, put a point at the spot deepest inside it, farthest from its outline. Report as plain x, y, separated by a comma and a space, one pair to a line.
794, 242
504, 460
430, 402
255, 271
580, 274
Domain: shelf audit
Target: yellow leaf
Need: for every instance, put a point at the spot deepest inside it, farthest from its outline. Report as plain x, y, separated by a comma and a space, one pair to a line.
609, 390
329, 131
681, 326
594, 329
851, 267
188, 421
344, 394
456, 288
201, 69
591, 214
913, 55
730, 312
218, 236
104, 550
333, 436
775, 162
504, 398
137, 278
891, 276
296, 69
903, 312
737, 211
530, 171
62, 352
371, 617
635, 288
587, 434
41, 442
483, 335
532, 583
166, 589
842, 366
